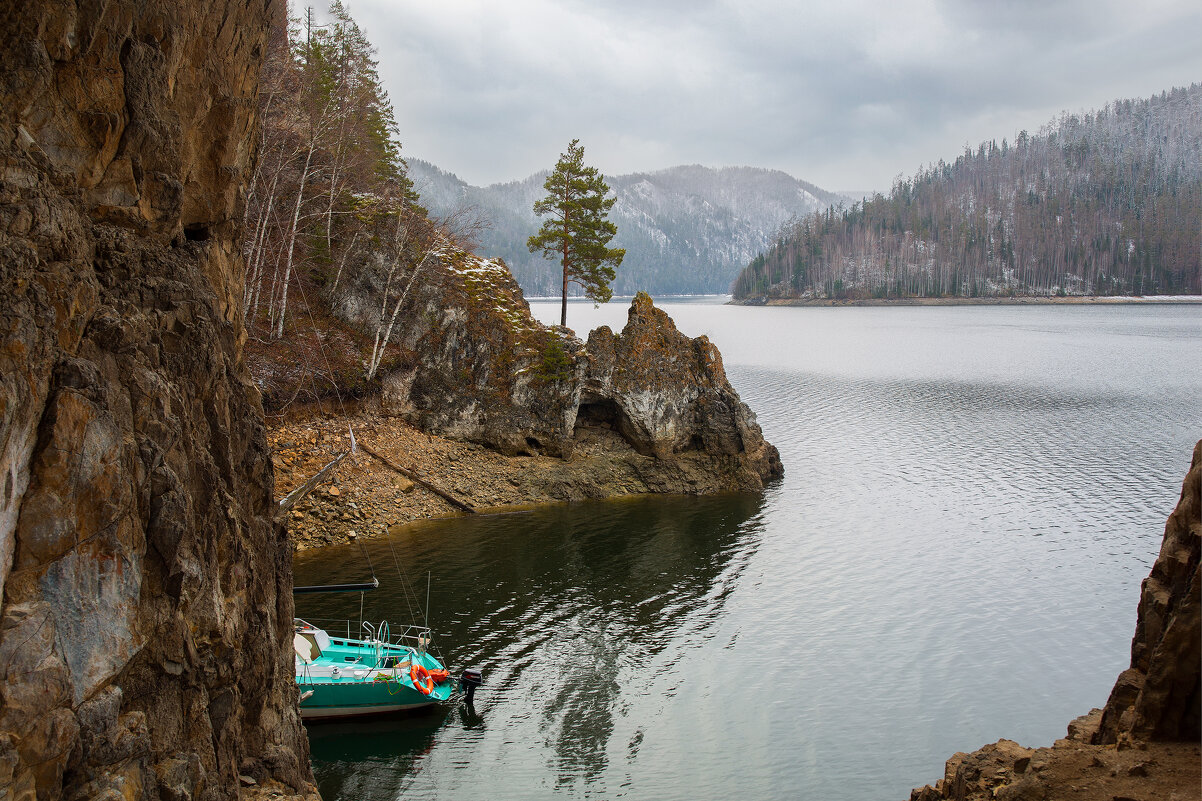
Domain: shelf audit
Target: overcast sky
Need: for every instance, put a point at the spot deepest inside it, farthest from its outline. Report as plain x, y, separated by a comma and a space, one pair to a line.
846, 94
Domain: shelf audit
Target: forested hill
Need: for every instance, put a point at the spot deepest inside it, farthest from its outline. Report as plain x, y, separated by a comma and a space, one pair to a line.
686, 229
1105, 204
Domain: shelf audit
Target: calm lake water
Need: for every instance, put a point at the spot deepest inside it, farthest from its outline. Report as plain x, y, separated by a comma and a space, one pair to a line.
972, 497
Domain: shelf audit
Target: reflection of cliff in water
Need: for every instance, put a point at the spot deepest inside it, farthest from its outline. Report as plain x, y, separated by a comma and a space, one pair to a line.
568, 608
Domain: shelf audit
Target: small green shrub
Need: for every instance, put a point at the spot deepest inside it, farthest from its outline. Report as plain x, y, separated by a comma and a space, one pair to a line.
555, 364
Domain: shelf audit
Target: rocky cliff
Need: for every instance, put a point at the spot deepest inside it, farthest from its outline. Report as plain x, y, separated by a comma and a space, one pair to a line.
1146, 742
473, 364
667, 395
1160, 696
146, 591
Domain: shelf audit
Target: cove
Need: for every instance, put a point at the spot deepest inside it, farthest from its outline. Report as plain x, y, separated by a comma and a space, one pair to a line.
971, 498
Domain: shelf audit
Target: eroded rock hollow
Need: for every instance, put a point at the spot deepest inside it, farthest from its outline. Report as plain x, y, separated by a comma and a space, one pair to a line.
146, 590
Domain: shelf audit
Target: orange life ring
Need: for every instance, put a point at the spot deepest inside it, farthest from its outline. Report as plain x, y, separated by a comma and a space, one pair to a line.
421, 679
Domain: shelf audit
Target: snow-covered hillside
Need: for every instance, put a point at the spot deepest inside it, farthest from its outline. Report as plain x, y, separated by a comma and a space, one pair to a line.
686, 230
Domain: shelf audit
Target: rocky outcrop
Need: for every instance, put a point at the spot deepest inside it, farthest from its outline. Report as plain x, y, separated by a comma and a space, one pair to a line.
471, 363
1071, 768
666, 394
1145, 743
1160, 696
146, 591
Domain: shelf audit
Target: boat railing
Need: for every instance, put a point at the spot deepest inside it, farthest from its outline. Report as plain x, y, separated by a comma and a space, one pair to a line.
413, 636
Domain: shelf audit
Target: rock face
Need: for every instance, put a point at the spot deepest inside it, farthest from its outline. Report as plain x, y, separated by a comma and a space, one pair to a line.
1145, 743
1160, 695
146, 592
473, 364
667, 394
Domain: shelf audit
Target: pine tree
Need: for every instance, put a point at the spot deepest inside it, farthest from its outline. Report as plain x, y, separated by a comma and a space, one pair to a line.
577, 231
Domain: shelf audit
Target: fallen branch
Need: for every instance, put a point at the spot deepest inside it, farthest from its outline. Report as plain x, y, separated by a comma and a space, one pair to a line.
289, 501
416, 479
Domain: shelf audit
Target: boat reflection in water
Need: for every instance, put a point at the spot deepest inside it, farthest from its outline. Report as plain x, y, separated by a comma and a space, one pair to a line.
577, 612
370, 758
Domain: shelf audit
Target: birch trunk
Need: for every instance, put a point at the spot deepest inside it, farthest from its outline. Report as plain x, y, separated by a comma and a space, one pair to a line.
300, 195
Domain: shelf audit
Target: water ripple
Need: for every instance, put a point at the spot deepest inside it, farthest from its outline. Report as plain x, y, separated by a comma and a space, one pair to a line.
970, 503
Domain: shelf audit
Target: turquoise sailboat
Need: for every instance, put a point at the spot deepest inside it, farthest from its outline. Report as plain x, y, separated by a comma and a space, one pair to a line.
341, 676
373, 673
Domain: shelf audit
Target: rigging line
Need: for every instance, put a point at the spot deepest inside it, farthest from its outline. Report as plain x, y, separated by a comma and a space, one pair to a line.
400, 574
313, 384
320, 347
431, 643
367, 556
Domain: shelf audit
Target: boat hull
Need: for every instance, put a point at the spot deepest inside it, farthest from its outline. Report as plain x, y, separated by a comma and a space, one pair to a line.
351, 698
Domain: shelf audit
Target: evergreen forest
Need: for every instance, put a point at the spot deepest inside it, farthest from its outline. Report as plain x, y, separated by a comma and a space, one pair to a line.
329, 186
1108, 203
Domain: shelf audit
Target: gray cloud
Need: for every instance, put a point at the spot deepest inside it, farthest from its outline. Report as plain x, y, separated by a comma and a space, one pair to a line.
846, 95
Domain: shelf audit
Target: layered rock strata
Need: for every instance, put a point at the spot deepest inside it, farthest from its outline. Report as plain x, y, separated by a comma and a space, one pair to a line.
146, 591
472, 364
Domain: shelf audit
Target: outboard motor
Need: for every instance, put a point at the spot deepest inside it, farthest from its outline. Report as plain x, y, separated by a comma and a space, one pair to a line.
469, 681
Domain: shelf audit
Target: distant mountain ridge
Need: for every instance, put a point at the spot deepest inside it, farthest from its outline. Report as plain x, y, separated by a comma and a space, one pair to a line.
687, 230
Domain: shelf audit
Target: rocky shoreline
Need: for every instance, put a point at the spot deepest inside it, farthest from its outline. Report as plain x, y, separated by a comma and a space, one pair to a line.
1073, 768
644, 410
367, 498
1145, 744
